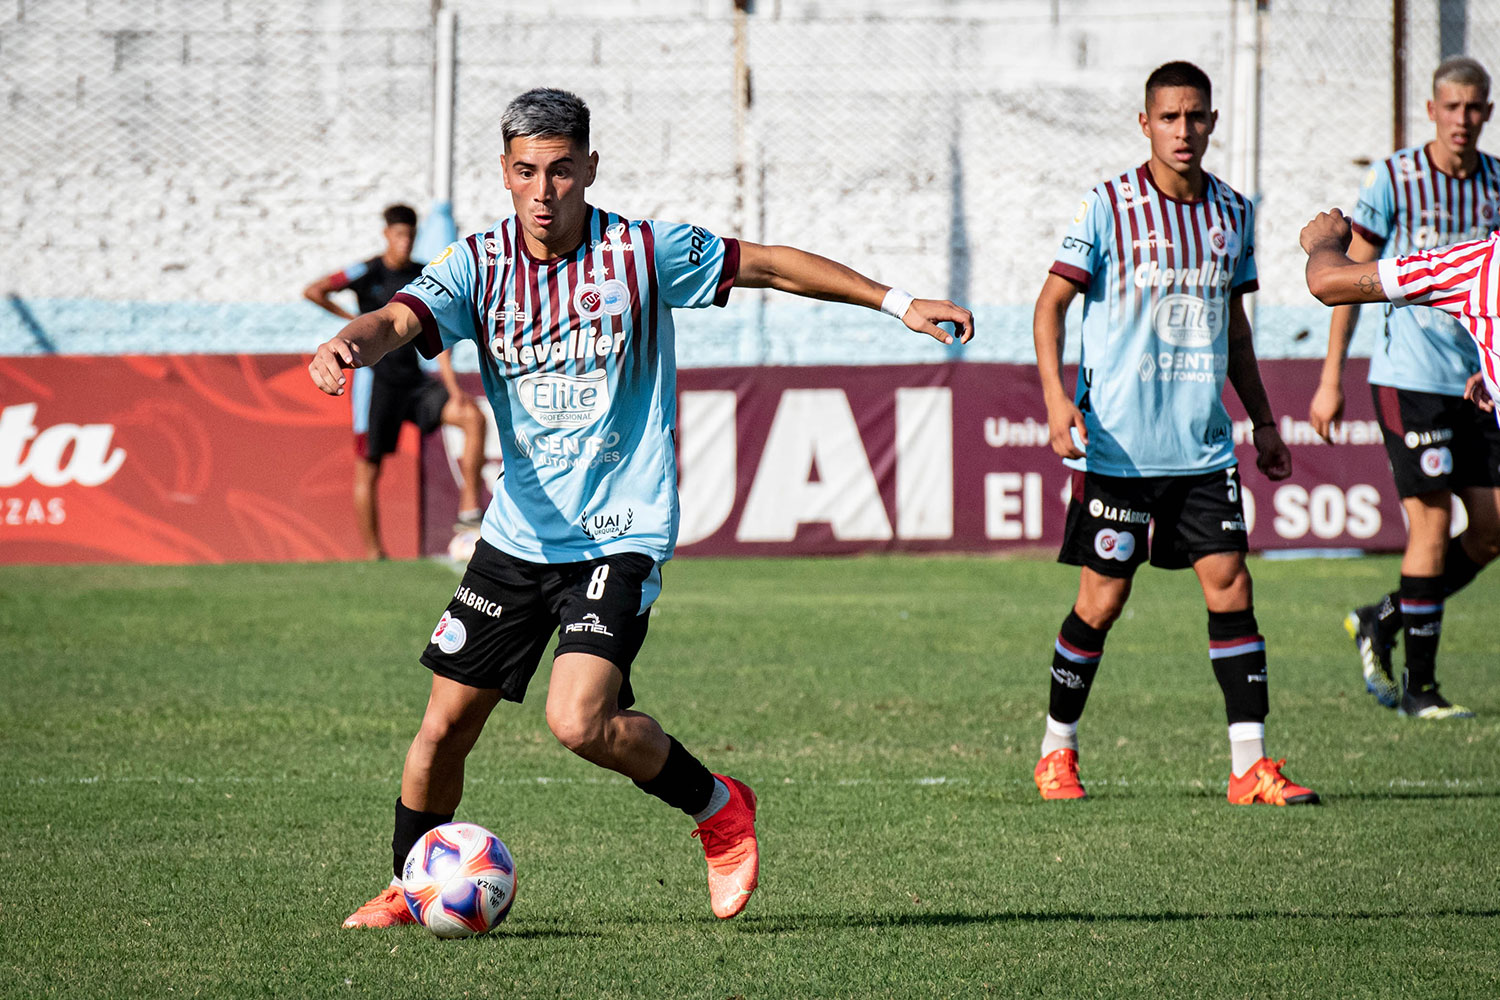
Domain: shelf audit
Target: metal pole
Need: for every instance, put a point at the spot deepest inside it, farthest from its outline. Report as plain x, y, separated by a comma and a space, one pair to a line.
1398, 73
442, 106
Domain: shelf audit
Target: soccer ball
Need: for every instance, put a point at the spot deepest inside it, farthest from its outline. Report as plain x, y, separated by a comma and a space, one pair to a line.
459, 880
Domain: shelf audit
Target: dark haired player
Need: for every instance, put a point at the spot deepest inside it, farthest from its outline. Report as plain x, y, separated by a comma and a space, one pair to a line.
1445, 191
572, 309
398, 390
1163, 254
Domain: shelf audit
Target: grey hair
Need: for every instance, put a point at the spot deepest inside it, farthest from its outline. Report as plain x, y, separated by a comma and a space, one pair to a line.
1462, 70
546, 112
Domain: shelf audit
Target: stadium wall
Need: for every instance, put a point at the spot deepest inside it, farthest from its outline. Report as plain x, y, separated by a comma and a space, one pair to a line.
178, 170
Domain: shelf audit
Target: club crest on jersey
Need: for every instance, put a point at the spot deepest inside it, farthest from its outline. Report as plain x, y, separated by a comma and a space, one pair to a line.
610, 297
557, 400
1223, 242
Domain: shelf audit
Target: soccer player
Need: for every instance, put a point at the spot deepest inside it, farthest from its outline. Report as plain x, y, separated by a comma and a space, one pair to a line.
1164, 255
397, 390
571, 307
1443, 192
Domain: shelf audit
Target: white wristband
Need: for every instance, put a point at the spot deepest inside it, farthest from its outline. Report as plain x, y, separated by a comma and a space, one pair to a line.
896, 303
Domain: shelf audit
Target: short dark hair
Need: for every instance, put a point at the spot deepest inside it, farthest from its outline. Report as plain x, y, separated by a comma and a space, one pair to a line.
546, 111
1178, 74
400, 215
1463, 71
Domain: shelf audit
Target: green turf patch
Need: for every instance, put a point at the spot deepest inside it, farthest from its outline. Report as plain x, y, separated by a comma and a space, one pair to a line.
197, 767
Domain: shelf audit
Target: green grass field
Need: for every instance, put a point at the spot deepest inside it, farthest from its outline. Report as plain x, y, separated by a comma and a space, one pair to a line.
197, 767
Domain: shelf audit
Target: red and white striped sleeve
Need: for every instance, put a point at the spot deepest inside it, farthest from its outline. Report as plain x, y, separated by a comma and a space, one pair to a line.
1445, 278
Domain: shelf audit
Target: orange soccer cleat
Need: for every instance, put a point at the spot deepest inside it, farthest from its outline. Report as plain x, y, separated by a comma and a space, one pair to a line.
1264, 784
386, 910
1057, 776
728, 838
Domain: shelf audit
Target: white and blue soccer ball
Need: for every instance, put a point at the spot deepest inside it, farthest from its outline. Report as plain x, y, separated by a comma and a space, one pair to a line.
459, 880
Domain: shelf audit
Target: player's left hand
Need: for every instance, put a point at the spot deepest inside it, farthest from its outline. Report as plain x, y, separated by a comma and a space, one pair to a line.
1329, 228
1476, 392
924, 315
1272, 457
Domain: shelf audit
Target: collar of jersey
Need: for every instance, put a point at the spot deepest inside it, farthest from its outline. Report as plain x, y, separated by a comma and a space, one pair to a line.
583, 247
1145, 169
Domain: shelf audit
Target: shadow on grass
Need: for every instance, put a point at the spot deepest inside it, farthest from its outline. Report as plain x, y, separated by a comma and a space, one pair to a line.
783, 924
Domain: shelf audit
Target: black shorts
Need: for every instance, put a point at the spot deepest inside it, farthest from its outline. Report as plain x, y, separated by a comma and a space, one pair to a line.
506, 610
392, 404
1113, 519
1437, 442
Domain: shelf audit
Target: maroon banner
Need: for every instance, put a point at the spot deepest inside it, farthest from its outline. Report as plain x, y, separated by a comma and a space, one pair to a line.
179, 459
827, 460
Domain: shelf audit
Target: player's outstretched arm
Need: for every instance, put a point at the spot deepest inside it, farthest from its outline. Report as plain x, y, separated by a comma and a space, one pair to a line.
1327, 407
1271, 454
363, 342
1048, 329
1332, 277
788, 269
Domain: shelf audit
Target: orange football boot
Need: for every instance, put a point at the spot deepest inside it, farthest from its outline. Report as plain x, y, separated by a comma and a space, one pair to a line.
1264, 784
386, 910
728, 839
1057, 775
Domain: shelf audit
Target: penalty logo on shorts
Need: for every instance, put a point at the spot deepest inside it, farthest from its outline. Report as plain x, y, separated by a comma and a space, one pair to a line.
450, 634
1437, 461
1112, 544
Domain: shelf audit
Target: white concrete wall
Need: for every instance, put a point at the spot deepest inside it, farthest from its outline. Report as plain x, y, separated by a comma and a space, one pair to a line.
222, 153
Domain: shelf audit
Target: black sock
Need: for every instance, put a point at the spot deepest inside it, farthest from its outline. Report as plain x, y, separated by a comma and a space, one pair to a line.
1238, 654
1388, 618
683, 783
1075, 661
1422, 626
1458, 568
410, 825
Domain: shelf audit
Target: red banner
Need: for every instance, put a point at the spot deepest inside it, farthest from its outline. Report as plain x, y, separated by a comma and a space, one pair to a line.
823, 460
178, 459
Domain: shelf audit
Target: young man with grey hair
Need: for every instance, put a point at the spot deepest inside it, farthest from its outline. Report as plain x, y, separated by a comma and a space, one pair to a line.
1443, 192
571, 308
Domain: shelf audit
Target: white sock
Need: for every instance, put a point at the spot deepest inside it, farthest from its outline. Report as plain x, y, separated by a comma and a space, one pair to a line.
1247, 744
718, 800
1060, 736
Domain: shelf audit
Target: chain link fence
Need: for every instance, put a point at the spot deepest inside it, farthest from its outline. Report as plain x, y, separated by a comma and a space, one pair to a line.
177, 170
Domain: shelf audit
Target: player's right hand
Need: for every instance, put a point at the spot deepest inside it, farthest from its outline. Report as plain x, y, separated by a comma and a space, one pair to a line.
1062, 419
924, 315
1476, 392
1328, 228
1327, 410
328, 364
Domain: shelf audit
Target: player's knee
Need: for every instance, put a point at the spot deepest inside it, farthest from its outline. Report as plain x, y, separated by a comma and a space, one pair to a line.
444, 735
580, 732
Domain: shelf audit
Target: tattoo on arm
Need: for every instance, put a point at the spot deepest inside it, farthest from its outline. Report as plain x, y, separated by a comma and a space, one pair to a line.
1369, 284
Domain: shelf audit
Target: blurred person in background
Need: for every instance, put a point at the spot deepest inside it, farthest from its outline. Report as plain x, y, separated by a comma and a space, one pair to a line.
1440, 447
397, 390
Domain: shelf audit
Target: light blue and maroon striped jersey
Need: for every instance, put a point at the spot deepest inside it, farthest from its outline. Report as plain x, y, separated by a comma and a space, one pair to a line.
1407, 205
578, 361
1157, 275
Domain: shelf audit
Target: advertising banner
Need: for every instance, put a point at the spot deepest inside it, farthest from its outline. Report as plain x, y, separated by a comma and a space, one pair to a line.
182, 459
953, 457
